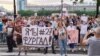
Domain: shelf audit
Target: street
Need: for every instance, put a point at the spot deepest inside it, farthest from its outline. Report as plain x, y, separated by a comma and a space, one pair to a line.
35, 53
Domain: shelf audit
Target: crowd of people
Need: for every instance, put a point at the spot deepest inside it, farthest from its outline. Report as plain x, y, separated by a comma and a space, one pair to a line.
61, 26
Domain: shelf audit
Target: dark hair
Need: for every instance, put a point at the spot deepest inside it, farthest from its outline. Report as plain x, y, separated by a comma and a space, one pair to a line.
47, 22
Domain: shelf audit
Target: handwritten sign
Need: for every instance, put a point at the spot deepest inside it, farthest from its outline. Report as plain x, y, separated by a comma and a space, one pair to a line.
73, 36
37, 36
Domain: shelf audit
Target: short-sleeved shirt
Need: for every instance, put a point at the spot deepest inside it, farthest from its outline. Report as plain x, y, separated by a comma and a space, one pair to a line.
83, 29
94, 46
61, 33
54, 24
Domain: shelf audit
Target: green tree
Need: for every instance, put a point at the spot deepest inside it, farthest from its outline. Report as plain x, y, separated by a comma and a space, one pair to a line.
42, 12
47, 12
97, 6
26, 12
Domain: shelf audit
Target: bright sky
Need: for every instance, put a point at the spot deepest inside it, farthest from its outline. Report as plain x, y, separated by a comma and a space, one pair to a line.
8, 4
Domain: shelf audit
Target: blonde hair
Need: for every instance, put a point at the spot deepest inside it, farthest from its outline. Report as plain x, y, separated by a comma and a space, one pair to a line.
60, 23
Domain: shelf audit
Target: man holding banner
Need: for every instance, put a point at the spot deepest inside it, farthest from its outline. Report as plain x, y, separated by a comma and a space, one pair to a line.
72, 36
46, 49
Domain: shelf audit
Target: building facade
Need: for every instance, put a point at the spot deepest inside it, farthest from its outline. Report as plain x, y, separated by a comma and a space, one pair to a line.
37, 8
78, 7
21, 4
2, 11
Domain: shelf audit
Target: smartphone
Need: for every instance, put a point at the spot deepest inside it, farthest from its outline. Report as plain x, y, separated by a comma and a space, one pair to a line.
92, 31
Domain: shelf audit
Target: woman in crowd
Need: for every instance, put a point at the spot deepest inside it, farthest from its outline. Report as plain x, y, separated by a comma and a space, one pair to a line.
10, 30
70, 29
58, 25
18, 34
62, 38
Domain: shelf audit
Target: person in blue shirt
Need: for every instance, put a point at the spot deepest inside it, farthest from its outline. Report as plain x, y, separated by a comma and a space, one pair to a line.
1, 26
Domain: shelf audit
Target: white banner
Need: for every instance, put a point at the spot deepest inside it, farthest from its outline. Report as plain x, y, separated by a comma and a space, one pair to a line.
37, 36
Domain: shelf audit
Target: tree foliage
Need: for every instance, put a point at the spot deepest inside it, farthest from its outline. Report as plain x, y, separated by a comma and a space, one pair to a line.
26, 12
98, 2
90, 13
46, 12
39, 13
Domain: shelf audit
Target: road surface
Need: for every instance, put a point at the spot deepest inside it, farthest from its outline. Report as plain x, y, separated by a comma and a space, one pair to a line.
40, 53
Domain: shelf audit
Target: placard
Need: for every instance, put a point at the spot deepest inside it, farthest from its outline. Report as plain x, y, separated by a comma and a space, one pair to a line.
37, 36
73, 36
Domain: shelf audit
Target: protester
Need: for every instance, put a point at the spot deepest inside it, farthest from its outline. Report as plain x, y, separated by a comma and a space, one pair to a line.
46, 49
18, 34
70, 29
10, 30
55, 35
61, 34
1, 29
54, 22
93, 42
1, 25
84, 28
62, 38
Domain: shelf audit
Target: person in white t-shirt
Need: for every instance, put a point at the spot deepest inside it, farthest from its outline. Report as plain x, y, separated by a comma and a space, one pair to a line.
54, 23
84, 18
83, 28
